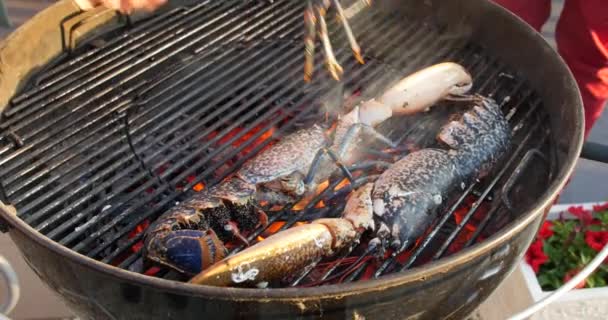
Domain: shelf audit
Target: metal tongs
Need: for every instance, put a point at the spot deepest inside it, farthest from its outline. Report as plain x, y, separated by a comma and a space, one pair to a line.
314, 18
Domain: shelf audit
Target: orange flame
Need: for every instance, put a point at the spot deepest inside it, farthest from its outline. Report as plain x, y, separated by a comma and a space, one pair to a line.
274, 228
246, 137
459, 216
342, 184
304, 202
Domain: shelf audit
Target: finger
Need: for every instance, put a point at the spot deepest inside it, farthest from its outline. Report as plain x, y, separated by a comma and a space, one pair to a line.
148, 5
111, 4
155, 4
126, 6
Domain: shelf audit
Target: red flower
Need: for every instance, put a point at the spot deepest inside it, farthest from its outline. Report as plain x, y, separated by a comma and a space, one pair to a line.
600, 207
546, 230
596, 239
571, 274
584, 215
535, 256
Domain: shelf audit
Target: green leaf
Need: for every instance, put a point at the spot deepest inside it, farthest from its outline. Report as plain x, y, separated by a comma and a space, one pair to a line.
567, 250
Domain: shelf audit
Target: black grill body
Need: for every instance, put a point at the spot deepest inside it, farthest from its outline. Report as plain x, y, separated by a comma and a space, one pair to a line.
85, 138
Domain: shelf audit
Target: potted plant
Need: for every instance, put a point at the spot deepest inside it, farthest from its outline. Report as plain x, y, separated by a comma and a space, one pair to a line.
567, 241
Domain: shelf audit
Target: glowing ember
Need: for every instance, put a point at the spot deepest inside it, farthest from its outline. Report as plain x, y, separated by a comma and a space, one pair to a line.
244, 138
274, 228
152, 271
342, 184
469, 228
481, 212
137, 230
459, 216
304, 202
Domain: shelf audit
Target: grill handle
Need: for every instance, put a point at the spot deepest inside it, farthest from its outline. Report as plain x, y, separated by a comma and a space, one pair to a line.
595, 152
594, 264
8, 275
79, 20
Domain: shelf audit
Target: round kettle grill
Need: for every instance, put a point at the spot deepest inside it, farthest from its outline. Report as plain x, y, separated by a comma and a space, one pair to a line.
93, 109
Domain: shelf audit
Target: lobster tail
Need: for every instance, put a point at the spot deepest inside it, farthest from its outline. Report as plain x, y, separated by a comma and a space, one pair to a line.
478, 139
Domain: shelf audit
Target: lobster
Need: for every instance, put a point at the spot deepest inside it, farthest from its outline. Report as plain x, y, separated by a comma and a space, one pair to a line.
396, 208
190, 237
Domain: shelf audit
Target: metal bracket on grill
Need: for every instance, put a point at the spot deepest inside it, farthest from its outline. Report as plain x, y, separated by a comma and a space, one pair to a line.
124, 116
517, 173
16, 141
595, 152
85, 22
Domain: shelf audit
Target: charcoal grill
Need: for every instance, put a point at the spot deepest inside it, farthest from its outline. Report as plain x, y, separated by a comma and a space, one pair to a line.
110, 120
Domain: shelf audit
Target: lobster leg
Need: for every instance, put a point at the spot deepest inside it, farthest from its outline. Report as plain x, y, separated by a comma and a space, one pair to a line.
262, 217
234, 230
319, 156
352, 133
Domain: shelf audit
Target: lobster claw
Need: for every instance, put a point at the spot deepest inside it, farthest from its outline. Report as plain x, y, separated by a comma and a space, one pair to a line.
192, 251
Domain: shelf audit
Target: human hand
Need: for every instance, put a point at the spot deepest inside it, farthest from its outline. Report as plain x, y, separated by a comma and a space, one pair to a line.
124, 6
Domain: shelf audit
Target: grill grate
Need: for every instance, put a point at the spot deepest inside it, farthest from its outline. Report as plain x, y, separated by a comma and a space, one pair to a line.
109, 137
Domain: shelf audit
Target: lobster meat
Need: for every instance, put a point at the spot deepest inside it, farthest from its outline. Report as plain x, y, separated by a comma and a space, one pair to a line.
190, 237
396, 208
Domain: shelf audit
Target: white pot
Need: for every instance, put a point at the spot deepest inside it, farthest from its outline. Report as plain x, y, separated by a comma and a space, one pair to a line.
588, 304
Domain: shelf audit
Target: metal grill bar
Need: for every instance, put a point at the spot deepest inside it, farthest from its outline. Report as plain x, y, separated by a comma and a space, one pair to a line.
150, 59
166, 113
236, 30
113, 50
155, 107
118, 129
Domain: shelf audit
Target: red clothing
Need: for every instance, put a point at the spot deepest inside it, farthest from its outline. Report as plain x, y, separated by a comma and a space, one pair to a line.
582, 41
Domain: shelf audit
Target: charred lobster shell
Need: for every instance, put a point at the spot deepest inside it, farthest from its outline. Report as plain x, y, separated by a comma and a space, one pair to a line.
397, 208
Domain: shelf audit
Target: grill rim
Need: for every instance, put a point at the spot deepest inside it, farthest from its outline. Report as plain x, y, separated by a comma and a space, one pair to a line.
443, 265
